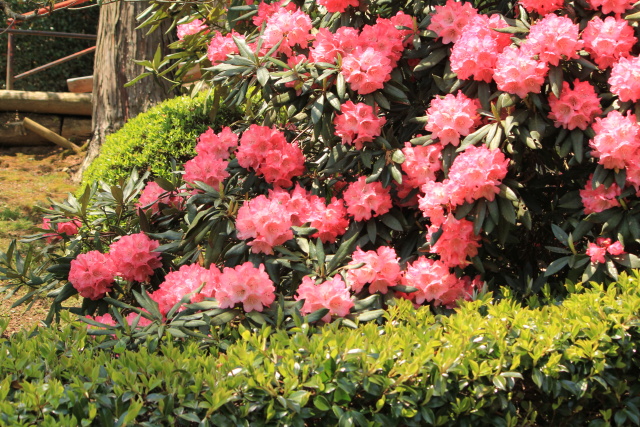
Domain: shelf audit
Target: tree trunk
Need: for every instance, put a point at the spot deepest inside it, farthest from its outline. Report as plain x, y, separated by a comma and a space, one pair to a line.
118, 45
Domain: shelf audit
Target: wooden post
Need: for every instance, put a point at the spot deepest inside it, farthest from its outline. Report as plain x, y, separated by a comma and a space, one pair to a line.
51, 136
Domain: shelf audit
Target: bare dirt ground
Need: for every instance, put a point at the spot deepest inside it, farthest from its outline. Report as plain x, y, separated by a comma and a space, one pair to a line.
29, 176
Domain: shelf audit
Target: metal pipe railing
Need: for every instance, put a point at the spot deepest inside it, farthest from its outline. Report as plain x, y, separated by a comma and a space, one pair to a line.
10, 51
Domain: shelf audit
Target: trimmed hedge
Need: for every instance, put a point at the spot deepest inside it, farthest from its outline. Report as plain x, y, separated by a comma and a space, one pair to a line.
151, 139
491, 363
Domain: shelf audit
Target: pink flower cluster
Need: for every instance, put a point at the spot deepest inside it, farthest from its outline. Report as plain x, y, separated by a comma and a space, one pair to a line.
107, 319
553, 38
65, 228
609, 40
449, 20
330, 220
600, 198
332, 294
541, 7
435, 283
190, 28
475, 53
576, 108
153, 196
518, 73
476, 173
618, 7
617, 140
338, 5
287, 27
601, 247
625, 79
381, 270
265, 10
134, 258
220, 145
457, 242
220, 46
131, 258
92, 274
358, 123
421, 163
369, 56
266, 151
451, 117
266, 221
187, 279
367, 200
246, 285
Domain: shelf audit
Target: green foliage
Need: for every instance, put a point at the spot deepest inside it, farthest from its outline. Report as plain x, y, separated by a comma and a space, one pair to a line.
491, 363
150, 140
34, 51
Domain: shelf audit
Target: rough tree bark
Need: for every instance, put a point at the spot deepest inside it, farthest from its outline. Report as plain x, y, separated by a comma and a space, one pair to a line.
118, 44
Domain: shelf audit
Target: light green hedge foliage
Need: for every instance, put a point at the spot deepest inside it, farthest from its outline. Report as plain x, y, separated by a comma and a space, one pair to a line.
150, 140
492, 363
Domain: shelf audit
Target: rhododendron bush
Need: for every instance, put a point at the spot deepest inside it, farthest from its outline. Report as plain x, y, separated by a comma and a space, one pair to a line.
391, 150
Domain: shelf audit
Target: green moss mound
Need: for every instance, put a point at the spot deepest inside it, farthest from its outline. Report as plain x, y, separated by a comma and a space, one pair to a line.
493, 363
150, 140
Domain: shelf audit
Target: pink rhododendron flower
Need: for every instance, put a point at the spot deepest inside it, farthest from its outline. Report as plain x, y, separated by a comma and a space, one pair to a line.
625, 79
553, 38
106, 318
332, 294
265, 10
327, 46
449, 20
330, 221
475, 53
184, 281
153, 195
193, 27
220, 46
457, 242
609, 40
617, 139
518, 73
451, 117
66, 228
385, 38
246, 285
366, 200
366, 70
267, 221
133, 257
338, 5
618, 7
576, 108
601, 247
542, 7
600, 198
266, 151
421, 163
381, 270
633, 172
217, 144
476, 173
207, 168
290, 28
358, 124
437, 196
91, 274
435, 283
